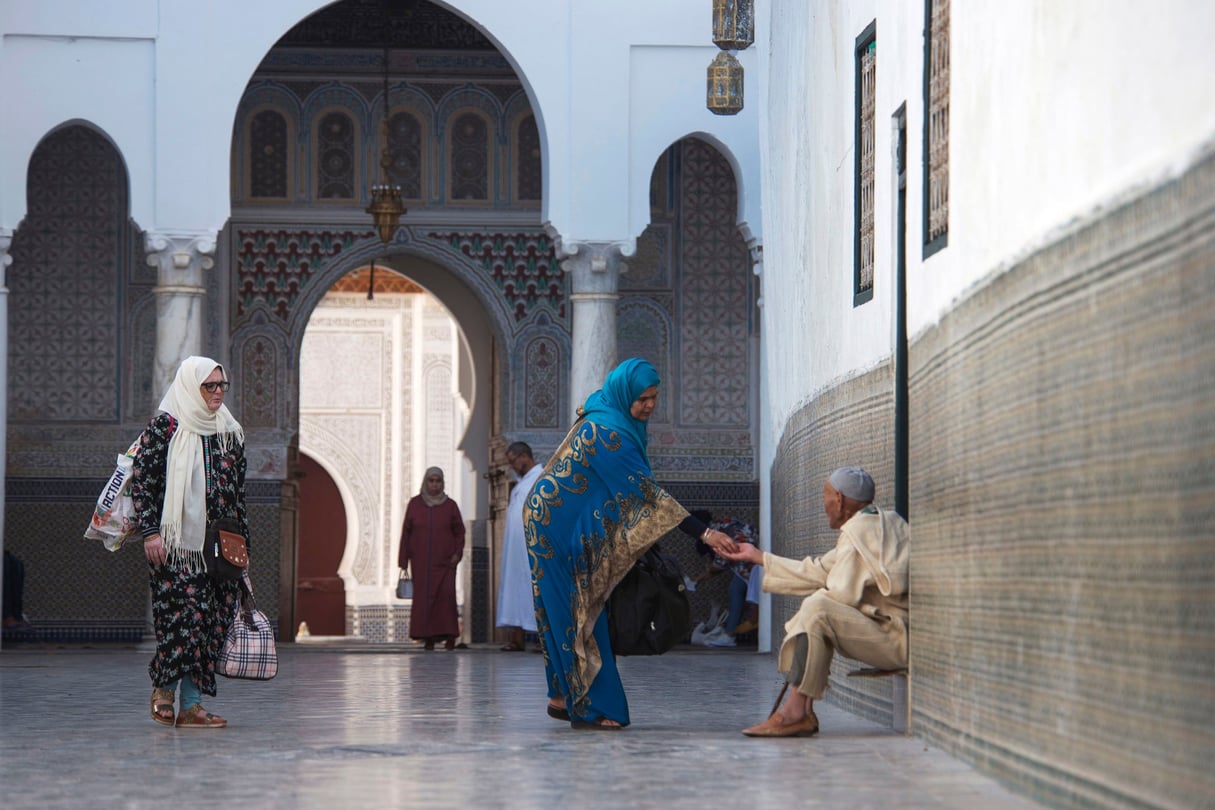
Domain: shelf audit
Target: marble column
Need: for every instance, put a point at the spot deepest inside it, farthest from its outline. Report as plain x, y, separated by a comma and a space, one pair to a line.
181, 260
594, 269
6, 241
759, 388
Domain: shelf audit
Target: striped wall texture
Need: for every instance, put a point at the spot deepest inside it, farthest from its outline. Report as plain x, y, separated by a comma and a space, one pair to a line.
1062, 501
853, 424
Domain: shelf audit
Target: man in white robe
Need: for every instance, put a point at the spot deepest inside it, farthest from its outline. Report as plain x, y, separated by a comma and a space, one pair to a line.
516, 608
856, 599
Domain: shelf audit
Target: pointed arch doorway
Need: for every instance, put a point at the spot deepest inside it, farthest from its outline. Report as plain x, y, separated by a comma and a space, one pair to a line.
467, 142
388, 387
320, 594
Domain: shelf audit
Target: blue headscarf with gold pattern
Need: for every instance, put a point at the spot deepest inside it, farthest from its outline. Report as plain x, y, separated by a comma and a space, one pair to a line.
609, 406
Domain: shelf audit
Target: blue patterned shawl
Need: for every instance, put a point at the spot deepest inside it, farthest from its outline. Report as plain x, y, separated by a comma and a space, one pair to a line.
592, 513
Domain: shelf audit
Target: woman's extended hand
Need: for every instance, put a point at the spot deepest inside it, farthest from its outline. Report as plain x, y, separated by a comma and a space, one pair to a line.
720, 542
744, 553
154, 549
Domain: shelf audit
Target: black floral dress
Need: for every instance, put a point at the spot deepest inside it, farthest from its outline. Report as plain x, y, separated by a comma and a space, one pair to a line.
190, 611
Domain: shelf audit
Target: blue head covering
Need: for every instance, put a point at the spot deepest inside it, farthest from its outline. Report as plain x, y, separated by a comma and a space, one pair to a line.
609, 406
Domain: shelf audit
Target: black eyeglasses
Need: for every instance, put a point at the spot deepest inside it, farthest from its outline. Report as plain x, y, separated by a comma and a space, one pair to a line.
212, 387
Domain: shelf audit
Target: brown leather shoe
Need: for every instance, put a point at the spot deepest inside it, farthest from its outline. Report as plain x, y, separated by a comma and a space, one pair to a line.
777, 726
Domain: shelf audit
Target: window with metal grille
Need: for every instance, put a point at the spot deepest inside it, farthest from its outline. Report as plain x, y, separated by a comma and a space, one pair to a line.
866, 127
405, 150
335, 157
268, 155
469, 167
936, 125
527, 160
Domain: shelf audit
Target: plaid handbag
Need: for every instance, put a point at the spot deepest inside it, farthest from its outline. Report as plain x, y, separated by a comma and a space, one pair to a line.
249, 650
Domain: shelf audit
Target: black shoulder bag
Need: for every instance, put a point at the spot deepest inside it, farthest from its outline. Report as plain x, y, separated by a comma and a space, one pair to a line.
648, 612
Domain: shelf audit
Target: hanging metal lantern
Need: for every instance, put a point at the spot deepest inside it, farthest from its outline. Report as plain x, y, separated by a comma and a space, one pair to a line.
733, 24
386, 210
724, 95
386, 207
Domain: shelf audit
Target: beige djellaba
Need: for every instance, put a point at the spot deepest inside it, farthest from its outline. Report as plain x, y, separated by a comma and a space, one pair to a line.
856, 600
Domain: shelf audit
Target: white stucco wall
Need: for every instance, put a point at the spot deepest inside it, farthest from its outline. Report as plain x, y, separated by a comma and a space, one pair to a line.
813, 334
163, 79
76, 61
1057, 109
660, 113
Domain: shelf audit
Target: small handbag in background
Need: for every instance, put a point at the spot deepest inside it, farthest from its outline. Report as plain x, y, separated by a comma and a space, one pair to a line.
404, 586
249, 651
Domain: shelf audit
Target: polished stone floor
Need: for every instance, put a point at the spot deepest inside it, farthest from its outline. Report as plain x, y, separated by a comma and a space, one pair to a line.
352, 727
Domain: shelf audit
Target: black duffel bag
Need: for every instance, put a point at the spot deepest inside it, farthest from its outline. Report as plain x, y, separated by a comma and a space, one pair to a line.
648, 612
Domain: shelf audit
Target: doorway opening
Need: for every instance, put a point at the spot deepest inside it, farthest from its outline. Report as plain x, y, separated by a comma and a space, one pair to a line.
379, 403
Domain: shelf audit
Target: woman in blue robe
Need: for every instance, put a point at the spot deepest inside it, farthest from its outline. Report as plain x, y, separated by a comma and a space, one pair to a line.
592, 513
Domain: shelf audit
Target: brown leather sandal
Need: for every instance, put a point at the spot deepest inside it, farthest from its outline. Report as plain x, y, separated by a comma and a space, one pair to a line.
162, 702
198, 717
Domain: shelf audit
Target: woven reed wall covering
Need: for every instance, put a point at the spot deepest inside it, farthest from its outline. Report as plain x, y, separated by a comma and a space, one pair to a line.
1062, 499
853, 424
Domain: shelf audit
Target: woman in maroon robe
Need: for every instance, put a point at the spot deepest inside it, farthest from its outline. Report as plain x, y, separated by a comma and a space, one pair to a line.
432, 543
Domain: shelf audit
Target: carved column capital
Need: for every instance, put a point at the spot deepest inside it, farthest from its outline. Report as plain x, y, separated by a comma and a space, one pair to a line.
180, 257
595, 267
594, 270
756, 250
6, 258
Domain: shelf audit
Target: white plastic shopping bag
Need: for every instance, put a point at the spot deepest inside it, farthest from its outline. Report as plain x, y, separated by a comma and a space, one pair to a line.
114, 520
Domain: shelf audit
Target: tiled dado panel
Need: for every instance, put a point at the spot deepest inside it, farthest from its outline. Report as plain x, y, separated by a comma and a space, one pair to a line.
852, 424
1063, 512
379, 624
75, 589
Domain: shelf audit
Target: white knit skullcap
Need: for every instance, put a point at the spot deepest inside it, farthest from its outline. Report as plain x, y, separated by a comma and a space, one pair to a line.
852, 482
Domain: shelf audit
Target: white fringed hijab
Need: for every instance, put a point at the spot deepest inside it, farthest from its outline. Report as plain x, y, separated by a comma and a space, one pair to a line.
183, 518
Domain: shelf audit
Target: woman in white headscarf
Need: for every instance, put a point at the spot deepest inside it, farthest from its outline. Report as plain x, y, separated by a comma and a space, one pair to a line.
189, 470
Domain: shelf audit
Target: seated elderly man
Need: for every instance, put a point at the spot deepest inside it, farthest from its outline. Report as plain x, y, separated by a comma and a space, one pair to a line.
856, 599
